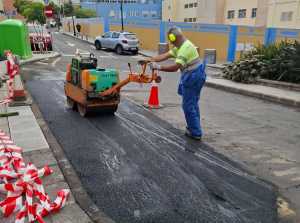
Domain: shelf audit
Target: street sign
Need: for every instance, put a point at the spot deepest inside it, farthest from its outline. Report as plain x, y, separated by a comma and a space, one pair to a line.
48, 11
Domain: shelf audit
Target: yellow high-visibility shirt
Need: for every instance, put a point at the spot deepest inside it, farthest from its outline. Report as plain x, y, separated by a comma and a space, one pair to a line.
185, 54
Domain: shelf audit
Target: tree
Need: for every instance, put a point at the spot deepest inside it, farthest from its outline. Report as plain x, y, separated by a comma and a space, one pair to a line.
84, 13
20, 5
34, 12
68, 9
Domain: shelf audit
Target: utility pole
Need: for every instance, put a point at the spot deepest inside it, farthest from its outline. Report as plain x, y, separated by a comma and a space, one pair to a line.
122, 18
74, 31
73, 24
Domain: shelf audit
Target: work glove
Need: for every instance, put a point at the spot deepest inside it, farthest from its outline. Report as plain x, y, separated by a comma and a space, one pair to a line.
154, 66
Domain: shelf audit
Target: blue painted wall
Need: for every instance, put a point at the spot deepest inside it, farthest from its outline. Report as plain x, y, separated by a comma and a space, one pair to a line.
232, 43
149, 10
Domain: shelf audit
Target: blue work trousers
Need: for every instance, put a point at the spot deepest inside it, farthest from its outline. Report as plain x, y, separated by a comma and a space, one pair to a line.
189, 88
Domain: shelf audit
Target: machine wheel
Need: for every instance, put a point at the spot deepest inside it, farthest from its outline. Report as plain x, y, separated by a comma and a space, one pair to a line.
98, 45
119, 49
82, 110
112, 109
71, 103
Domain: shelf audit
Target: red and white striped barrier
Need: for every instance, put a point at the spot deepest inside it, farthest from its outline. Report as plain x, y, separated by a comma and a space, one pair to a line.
12, 69
25, 194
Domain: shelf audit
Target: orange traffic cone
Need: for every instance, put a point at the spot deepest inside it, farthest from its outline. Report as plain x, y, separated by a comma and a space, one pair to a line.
153, 102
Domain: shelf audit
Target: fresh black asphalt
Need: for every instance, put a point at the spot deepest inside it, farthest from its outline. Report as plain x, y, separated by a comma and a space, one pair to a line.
139, 169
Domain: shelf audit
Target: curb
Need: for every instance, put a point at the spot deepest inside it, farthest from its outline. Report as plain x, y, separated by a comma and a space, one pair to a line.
75, 37
79, 193
271, 98
144, 54
216, 66
39, 59
279, 84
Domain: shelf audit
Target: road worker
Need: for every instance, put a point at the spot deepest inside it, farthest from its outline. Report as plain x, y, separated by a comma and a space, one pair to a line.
192, 77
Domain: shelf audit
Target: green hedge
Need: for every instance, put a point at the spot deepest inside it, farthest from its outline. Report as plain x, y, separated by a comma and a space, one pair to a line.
279, 61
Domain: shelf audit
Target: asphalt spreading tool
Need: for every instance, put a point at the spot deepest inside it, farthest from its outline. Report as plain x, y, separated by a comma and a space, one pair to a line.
89, 88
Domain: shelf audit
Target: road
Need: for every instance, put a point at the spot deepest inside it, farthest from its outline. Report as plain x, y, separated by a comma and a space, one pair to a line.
136, 166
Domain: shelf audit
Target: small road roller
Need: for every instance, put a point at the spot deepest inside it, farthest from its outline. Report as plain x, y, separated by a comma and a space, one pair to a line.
89, 88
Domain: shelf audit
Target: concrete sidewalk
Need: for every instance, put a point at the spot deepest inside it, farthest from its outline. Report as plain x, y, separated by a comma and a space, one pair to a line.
40, 56
25, 131
277, 95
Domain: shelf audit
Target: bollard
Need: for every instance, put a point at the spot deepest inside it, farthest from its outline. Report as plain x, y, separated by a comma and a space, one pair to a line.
163, 48
210, 55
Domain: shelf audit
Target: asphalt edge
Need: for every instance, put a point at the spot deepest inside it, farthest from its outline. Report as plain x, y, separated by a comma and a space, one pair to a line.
235, 164
33, 60
81, 196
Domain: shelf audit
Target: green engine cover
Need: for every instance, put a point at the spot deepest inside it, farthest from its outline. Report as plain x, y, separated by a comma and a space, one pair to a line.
103, 79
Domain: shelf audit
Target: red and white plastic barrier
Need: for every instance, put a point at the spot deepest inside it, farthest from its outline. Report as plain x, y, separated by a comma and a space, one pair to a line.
12, 70
25, 194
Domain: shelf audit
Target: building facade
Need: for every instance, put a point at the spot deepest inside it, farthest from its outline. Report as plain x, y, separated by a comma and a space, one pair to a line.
200, 11
132, 9
231, 12
284, 14
245, 12
7, 10
1, 7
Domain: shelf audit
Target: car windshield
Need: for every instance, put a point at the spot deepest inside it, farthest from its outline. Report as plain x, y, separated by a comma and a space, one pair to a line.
130, 36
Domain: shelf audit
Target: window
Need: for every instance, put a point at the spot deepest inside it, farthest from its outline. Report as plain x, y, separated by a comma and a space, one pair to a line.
116, 35
254, 12
190, 19
107, 35
242, 13
286, 16
145, 13
185, 20
191, 5
194, 19
230, 14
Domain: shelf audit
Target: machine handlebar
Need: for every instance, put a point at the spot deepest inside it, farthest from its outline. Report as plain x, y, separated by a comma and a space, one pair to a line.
141, 78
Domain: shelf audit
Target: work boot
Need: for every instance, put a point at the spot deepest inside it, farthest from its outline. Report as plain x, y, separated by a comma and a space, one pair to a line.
189, 134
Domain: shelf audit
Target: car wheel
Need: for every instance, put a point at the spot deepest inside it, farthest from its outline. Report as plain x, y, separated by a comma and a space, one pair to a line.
98, 45
119, 49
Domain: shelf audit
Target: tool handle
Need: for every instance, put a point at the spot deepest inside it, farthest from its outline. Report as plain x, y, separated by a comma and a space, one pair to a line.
129, 65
